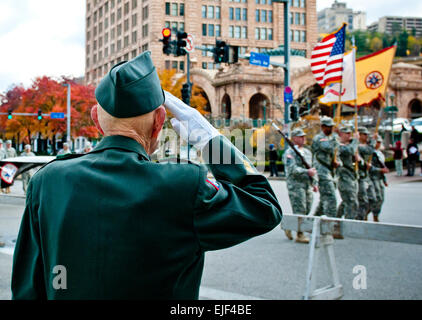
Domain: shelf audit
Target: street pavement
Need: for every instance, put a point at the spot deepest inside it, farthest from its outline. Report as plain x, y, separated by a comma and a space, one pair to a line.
272, 267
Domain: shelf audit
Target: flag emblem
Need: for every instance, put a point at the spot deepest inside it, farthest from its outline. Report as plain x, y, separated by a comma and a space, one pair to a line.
374, 80
327, 58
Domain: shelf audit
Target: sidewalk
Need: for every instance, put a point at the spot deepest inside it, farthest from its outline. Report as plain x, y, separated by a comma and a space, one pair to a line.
392, 178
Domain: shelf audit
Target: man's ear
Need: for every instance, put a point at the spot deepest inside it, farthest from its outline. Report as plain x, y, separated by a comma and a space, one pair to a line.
94, 117
159, 118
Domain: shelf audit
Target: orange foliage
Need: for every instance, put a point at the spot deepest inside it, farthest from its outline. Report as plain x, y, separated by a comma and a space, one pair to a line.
50, 96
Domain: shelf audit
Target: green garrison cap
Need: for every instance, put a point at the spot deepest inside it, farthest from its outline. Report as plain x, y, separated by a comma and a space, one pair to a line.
327, 121
363, 130
131, 88
298, 133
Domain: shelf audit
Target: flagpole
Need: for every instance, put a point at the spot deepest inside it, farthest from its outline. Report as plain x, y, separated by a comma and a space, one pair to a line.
356, 100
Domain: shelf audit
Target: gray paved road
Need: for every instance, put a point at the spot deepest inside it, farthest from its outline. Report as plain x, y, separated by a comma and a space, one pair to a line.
272, 267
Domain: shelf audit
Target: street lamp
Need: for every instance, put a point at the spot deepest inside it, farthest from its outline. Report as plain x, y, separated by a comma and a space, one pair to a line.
68, 110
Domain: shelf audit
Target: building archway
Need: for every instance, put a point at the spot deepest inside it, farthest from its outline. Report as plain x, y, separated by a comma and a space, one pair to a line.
207, 106
226, 107
259, 106
415, 109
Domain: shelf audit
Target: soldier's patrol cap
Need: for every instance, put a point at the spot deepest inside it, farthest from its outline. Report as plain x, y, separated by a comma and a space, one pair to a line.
346, 129
363, 130
327, 121
9, 141
131, 88
298, 133
379, 139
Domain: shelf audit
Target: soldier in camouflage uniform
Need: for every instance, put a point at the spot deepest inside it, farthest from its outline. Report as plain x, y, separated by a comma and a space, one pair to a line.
301, 182
324, 147
347, 175
365, 194
377, 179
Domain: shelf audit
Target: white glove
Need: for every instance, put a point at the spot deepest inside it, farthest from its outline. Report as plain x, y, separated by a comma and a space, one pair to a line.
189, 123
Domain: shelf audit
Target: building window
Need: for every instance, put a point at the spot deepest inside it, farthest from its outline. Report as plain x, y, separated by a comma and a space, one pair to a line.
167, 64
133, 53
238, 16
134, 20
237, 32
256, 33
145, 30
174, 65
119, 30
182, 66
119, 13
119, 45
126, 25
218, 12
303, 3
303, 18
231, 13
263, 35
204, 11
218, 30
244, 32
296, 36
204, 29
204, 65
231, 31
167, 8
174, 9
210, 12
211, 30
270, 34
303, 36
134, 4
297, 18
257, 15
263, 15
145, 13
245, 14
134, 36
182, 26
126, 8
112, 18
270, 16
182, 9
174, 26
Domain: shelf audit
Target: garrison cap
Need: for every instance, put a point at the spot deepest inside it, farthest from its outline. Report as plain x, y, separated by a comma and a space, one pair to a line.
131, 88
298, 133
363, 130
327, 121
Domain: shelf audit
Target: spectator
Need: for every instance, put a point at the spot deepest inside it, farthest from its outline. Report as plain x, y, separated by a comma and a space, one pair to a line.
88, 147
65, 150
414, 134
412, 157
398, 158
273, 159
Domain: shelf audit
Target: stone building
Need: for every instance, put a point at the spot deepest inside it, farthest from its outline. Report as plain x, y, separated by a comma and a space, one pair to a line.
118, 30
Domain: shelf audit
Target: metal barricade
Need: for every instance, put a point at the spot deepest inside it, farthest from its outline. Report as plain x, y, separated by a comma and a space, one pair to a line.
324, 228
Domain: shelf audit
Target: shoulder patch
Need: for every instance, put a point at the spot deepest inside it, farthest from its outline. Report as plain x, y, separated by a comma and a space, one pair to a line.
214, 183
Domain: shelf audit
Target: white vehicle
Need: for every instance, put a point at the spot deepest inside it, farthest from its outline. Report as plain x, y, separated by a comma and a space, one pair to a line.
417, 123
398, 125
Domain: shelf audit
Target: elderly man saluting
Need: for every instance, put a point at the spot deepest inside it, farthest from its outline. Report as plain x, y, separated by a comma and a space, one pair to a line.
145, 235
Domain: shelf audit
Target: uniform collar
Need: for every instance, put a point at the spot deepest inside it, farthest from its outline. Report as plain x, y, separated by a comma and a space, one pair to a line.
122, 142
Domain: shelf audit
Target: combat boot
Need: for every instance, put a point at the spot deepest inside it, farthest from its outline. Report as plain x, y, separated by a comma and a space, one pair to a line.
376, 218
288, 234
301, 238
2, 244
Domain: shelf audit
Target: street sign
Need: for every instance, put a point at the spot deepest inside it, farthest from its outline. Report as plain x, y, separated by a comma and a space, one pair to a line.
391, 109
189, 44
259, 59
57, 115
288, 95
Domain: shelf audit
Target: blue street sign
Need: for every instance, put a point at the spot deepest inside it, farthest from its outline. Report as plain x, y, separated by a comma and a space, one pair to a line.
288, 95
57, 115
259, 59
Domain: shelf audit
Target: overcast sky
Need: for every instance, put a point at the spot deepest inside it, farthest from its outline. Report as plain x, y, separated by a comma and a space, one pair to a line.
46, 37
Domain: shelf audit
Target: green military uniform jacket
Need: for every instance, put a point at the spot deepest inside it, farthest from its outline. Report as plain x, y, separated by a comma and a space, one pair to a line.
365, 151
347, 154
323, 150
296, 171
128, 228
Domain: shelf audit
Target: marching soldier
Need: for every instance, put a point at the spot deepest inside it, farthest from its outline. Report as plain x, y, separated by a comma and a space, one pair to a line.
377, 179
26, 176
301, 182
365, 193
10, 153
347, 175
324, 147
146, 236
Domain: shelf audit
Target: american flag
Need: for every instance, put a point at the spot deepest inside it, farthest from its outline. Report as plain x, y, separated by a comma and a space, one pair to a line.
327, 58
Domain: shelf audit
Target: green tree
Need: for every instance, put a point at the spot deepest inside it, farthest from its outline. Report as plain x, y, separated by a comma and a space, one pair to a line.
375, 44
402, 44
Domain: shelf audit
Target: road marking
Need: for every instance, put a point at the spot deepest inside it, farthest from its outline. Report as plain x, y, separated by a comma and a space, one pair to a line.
214, 294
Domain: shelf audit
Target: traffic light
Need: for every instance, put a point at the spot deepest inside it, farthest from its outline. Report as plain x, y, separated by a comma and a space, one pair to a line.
186, 93
220, 51
181, 43
233, 54
9, 116
167, 47
39, 114
294, 116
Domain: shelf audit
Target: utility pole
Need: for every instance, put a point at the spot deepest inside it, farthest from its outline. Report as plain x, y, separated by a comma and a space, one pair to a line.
68, 111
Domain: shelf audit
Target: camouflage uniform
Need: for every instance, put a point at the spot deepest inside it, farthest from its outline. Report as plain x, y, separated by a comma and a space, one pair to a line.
366, 194
347, 180
323, 149
299, 185
377, 180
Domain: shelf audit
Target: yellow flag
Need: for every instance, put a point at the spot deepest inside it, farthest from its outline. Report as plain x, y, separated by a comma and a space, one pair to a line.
372, 75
